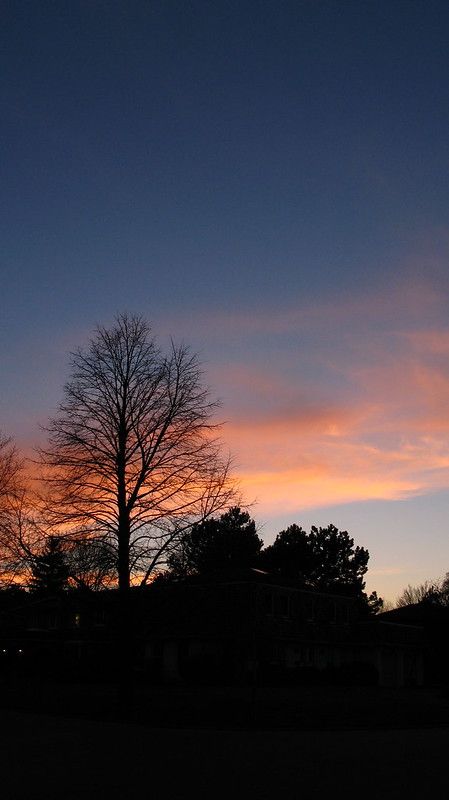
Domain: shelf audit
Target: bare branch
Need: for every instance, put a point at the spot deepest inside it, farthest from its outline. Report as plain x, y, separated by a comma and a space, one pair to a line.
133, 453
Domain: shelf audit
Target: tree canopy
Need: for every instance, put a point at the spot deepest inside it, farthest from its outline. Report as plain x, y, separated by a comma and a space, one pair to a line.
217, 544
50, 574
434, 592
11, 504
325, 558
10, 466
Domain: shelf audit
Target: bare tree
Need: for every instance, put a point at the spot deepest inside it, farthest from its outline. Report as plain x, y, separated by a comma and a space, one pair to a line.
427, 591
11, 494
444, 589
22, 538
435, 592
91, 564
10, 466
25, 541
25, 538
133, 456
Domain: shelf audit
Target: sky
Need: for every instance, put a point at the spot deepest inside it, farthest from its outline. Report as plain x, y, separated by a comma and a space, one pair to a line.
267, 182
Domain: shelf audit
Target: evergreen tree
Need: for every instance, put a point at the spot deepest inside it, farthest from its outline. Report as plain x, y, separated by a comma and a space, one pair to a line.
325, 560
216, 544
49, 569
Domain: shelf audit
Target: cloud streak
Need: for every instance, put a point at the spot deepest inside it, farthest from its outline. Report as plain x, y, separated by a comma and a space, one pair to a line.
363, 416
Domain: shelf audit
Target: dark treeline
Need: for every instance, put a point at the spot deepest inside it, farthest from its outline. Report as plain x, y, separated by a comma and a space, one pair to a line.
324, 560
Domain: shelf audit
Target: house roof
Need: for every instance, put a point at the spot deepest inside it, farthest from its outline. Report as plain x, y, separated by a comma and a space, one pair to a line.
417, 614
247, 575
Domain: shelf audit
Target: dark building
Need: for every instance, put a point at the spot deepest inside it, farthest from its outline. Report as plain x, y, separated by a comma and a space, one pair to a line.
238, 626
433, 622
251, 624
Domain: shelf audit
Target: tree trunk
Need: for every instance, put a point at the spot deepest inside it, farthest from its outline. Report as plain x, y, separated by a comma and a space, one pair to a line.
123, 552
123, 515
125, 631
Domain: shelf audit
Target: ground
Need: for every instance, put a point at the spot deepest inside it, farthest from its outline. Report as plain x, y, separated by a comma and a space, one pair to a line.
60, 740
235, 707
57, 757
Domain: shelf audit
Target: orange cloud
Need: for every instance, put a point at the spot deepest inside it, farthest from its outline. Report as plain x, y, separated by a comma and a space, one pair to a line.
292, 491
371, 423
285, 472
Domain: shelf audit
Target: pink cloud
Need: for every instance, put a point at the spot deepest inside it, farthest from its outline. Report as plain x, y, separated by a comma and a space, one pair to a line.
384, 435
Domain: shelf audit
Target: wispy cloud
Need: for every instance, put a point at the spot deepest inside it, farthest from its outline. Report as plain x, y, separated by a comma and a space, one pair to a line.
409, 300
362, 414
387, 571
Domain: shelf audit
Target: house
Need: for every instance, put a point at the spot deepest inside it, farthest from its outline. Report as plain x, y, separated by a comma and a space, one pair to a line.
68, 634
236, 626
250, 625
433, 622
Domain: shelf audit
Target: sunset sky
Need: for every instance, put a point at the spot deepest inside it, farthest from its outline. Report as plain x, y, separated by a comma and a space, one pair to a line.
269, 182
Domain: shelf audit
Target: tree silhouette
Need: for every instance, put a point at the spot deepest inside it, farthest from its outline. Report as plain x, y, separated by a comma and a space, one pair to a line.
215, 544
133, 457
50, 572
290, 555
337, 564
91, 564
11, 494
24, 537
324, 559
10, 467
434, 592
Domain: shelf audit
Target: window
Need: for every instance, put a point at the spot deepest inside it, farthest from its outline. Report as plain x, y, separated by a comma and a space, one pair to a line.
342, 613
276, 604
268, 602
309, 607
99, 617
281, 605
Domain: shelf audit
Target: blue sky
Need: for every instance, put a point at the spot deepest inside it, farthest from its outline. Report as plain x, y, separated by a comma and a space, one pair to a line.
269, 182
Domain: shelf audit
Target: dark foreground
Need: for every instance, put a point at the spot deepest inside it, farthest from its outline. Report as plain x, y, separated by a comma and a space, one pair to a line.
56, 757
235, 707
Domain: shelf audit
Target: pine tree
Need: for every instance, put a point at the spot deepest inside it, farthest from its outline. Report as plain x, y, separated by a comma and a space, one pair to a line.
49, 570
